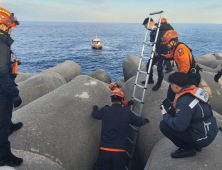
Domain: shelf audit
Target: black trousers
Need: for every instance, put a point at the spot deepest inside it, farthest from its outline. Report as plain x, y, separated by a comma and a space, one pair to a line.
193, 81
112, 160
180, 139
6, 107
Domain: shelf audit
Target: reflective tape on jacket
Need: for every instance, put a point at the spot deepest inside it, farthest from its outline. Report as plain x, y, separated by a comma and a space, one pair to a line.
112, 150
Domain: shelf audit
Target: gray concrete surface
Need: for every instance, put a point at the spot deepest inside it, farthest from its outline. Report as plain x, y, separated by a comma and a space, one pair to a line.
23, 77
130, 67
33, 161
38, 85
68, 69
149, 134
59, 125
205, 57
120, 81
214, 64
208, 158
218, 56
100, 75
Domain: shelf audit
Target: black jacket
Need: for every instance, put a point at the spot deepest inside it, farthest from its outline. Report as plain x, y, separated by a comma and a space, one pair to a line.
189, 114
164, 27
7, 84
115, 124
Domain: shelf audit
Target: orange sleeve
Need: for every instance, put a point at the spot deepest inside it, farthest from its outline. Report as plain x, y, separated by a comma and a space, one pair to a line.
168, 55
183, 54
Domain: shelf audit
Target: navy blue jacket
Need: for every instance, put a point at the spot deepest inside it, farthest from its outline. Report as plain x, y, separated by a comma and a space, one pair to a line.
160, 48
188, 110
7, 84
115, 124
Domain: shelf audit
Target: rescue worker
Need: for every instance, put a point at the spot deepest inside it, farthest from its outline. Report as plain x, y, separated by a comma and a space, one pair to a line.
115, 124
218, 75
183, 58
193, 126
9, 94
160, 49
115, 86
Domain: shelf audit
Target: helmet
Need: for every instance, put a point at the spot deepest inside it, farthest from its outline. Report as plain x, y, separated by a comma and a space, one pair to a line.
117, 92
168, 36
163, 20
8, 18
113, 86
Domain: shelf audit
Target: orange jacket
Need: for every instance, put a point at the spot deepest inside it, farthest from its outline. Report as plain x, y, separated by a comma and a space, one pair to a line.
181, 56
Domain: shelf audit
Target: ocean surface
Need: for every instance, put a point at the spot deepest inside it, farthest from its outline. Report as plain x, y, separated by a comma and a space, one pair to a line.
41, 45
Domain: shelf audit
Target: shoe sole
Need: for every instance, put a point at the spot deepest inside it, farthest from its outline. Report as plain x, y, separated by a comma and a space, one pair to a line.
184, 156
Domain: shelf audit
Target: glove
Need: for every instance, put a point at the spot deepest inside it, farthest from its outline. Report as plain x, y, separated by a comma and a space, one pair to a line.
147, 120
17, 101
95, 107
217, 76
163, 111
131, 102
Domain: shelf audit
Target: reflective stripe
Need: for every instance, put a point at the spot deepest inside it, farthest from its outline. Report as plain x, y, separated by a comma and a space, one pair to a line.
193, 103
112, 150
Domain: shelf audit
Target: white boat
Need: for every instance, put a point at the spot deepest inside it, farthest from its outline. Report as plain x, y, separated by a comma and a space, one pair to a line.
97, 43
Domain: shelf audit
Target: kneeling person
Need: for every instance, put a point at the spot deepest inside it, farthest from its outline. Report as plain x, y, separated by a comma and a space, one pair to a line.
115, 124
193, 126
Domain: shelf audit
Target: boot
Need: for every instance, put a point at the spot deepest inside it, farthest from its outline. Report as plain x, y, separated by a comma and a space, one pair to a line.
182, 153
150, 81
15, 127
11, 160
158, 84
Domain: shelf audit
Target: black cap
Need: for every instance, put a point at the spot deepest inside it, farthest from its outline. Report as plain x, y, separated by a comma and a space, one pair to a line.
146, 21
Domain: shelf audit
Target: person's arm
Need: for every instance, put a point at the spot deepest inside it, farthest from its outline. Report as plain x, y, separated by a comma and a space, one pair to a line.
218, 75
98, 113
137, 120
5, 78
184, 57
168, 55
181, 121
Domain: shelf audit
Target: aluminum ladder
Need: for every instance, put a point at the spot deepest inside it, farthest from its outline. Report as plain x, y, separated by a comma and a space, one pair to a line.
136, 85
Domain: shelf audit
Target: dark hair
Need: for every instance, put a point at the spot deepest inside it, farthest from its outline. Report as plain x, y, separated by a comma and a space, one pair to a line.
179, 79
147, 20
116, 99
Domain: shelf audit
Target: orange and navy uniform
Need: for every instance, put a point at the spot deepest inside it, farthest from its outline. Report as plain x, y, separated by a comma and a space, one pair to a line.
182, 56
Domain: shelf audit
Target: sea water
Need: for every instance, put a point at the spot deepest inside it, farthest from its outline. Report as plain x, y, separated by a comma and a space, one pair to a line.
41, 45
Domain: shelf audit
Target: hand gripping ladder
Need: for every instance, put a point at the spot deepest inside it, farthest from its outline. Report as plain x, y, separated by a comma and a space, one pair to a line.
136, 129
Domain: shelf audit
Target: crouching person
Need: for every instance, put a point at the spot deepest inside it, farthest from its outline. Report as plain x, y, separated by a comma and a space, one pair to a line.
115, 123
193, 126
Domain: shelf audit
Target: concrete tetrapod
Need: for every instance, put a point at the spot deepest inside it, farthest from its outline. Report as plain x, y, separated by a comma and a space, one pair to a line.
150, 134
23, 77
33, 161
38, 85
100, 75
59, 125
205, 57
68, 69
120, 81
214, 64
130, 67
208, 158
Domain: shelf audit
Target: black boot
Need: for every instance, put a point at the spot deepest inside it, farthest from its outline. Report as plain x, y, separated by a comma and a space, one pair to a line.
158, 84
182, 153
11, 160
149, 82
15, 127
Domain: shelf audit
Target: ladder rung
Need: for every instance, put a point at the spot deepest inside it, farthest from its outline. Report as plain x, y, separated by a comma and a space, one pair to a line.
154, 13
138, 100
130, 141
140, 86
128, 155
134, 113
142, 71
134, 128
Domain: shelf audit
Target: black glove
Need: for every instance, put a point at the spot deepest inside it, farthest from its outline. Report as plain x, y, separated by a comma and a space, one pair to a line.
17, 101
131, 102
95, 107
217, 76
147, 120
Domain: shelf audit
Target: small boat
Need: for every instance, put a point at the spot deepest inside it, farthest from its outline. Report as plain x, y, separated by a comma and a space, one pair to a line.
97, 43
